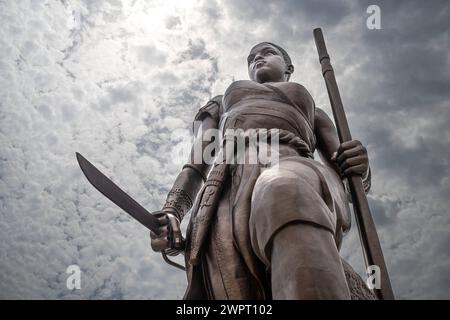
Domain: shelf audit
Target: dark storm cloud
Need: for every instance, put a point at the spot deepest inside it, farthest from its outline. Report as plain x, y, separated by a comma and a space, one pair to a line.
290, 20
399, 104
327, 13
407, 79
409, 56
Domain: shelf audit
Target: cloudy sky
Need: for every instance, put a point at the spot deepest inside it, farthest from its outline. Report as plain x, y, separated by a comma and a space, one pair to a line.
120, 81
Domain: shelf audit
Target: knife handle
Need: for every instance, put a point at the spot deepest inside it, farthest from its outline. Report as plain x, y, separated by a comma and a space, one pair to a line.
174, 236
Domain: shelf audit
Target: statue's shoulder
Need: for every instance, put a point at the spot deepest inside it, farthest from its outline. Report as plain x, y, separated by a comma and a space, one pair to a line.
294, 87
297, 92
212, 108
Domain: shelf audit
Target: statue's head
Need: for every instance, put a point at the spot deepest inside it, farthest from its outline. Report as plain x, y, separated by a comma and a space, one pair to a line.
268, 62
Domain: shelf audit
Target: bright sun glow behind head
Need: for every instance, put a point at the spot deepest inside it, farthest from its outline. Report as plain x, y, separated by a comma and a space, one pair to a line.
153, 19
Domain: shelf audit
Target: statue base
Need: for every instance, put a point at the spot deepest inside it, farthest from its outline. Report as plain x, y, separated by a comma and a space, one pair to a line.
358, 287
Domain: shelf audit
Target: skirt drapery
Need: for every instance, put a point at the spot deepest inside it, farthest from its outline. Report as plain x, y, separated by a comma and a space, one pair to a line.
255, 202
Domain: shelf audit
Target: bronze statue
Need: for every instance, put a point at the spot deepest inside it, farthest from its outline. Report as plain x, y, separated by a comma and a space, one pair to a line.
262, 231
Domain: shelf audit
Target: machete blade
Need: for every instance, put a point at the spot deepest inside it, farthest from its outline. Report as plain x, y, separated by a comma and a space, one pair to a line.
110, 190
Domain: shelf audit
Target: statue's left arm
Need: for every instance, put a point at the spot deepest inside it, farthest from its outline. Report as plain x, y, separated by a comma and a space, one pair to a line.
347, 159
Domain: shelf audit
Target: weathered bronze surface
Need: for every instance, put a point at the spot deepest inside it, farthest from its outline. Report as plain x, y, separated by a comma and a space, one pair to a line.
268, 231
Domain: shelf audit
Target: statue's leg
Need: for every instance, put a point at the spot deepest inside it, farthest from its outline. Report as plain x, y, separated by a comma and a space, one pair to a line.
305, 264
292, 231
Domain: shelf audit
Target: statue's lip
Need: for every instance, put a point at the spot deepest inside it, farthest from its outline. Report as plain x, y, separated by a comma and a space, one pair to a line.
258, 64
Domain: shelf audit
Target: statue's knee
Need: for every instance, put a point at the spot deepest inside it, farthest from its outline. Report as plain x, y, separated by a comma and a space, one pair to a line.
281, 197
281, 191
270, 184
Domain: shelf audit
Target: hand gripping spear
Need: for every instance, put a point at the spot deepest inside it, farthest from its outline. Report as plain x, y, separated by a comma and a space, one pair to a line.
373, 254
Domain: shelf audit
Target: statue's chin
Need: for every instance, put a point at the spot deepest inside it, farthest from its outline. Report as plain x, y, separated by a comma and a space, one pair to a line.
264, 74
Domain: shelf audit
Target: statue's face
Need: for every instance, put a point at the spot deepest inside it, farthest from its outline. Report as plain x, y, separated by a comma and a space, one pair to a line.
266, 64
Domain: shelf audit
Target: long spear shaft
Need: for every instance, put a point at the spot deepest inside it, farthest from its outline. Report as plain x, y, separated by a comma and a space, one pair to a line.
373, 254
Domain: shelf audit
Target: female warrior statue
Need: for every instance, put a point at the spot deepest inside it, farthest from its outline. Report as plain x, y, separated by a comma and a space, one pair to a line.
263, 231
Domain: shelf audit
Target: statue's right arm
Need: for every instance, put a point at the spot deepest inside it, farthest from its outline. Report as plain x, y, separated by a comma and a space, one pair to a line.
186, 186
192, 176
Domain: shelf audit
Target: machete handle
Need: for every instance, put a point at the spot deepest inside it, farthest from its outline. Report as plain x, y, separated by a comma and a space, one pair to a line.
174, 236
